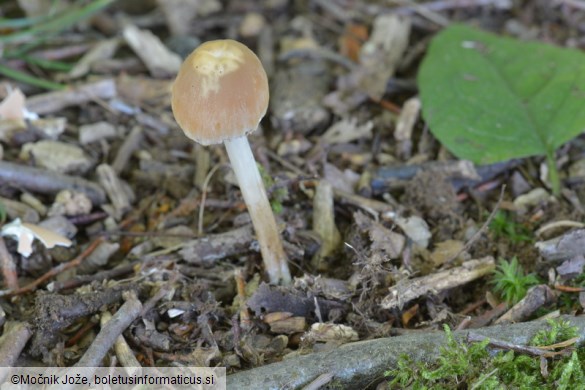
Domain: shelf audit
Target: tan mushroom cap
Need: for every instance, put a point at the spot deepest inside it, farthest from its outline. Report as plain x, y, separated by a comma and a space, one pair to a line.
221, 92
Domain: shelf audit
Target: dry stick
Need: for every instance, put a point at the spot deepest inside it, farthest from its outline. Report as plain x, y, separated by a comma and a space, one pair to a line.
447, 5
107, 336
121, 347
50, 102
64, 266
562, 344
427, 13
245, 319
559, 224
411, 289
536, 297
131, 143
483, 228
285, 163
204, 196
80, 333
568, 289
83, 279
320, 381
114, 187
533, 351
8, 267
48, 182
12, 342
211, 248
55, 270
202, 162
356, 365
160, 294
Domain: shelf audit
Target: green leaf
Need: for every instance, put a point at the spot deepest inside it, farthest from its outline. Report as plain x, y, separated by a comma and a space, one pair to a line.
491, 99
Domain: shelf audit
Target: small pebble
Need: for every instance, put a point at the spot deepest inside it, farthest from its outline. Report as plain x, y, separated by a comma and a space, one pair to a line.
57, 156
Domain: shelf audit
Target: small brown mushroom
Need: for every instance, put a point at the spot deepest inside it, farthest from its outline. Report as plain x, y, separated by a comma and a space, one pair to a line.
220, 95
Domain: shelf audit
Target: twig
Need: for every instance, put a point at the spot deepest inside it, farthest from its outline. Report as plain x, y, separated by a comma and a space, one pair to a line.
446, 5
87, 219
81, 333
569, 289
440, 281
84, 279
536, 297
8, 267
320, 381
160, 294
285, 163
559, 224
204, 196
372, 206
48, 182
245, 319
211, 248
54, 271
131, 143
483, 228
12, 342
51, 102
123, 350
120, 197
426, 12
107, 336
473, 337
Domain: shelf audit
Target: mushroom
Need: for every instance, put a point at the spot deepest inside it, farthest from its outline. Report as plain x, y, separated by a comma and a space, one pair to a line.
220, 95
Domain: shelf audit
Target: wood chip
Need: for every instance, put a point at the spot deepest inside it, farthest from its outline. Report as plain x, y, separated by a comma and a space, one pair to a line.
48, 103
120, 194
411, 289
160, 61
332, 332
101, 51
289, 325
536, 298
381, 54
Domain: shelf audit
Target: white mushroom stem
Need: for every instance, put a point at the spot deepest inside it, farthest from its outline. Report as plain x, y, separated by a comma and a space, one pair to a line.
252, 188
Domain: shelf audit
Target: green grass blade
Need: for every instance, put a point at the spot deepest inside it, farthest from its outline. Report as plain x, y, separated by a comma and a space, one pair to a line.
28, 79
59, 66
59, 22
18, 23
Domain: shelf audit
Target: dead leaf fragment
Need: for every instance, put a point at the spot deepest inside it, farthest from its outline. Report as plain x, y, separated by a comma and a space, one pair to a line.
385, 243
25, 233
289, 325
347, 130
332, 332
445, 251
352, 40
382, 53
12, 107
